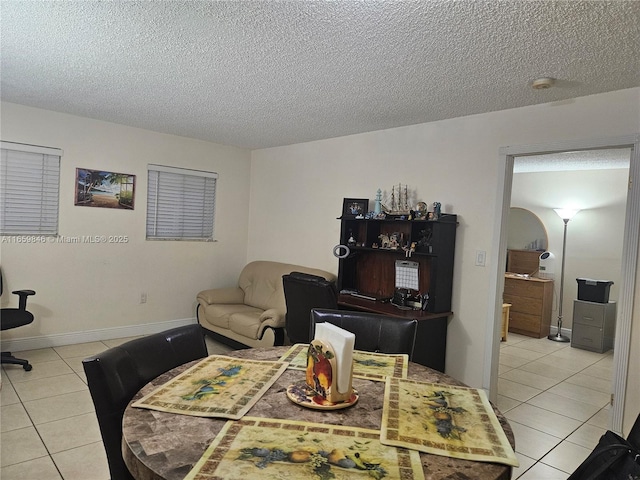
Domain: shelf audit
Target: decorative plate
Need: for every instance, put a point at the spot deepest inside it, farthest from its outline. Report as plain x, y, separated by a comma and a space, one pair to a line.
305, 396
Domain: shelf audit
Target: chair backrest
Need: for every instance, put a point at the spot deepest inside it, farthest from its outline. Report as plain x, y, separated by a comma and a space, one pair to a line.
15, 317
303, 292
117, 374
374, 332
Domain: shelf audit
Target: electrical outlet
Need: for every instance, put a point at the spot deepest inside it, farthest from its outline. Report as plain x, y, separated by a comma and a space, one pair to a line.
481, 258
143, 297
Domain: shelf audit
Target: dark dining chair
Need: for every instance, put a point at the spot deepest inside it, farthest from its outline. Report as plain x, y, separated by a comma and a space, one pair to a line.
303, 292
117, 374
374, 332
13, 318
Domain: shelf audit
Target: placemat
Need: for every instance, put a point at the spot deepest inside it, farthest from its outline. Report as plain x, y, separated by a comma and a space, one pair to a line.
272, 449
367, 365
217, 386
444, 420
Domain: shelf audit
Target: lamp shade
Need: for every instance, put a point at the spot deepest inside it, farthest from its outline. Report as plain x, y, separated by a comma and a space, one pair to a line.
566, 213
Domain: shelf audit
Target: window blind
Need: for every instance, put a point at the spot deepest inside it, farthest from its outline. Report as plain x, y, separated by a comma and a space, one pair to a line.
180, 204
29, 189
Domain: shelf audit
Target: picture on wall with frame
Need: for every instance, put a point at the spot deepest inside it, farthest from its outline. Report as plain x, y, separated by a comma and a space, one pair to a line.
97, 188
354, 207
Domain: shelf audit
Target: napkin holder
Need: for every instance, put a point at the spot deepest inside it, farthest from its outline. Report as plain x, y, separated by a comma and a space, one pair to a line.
323, 374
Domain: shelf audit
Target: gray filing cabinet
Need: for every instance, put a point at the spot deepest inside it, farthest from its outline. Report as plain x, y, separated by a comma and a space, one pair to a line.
594, 325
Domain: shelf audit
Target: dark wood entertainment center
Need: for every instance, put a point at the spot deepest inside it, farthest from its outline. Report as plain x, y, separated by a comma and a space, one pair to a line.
369, 271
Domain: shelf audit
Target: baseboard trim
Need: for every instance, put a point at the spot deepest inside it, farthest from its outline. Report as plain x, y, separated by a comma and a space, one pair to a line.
565, 331
61, 339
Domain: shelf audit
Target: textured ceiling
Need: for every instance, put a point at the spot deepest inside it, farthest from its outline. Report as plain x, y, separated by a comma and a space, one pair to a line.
258, 74
599, 159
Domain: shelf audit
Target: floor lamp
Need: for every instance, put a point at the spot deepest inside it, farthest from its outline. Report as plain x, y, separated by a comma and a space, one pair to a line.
566, 215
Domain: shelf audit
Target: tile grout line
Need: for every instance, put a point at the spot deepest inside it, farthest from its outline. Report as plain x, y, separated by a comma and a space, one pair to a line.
561, 439
49, 454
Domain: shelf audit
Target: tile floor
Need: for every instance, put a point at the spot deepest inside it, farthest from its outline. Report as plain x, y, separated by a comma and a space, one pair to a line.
556, 399
48, 427
554, 396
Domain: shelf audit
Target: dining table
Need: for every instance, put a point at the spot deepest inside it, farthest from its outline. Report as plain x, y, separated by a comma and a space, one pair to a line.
159, 445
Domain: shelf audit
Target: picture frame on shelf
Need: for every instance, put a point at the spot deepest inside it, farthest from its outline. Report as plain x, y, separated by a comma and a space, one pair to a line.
354, 207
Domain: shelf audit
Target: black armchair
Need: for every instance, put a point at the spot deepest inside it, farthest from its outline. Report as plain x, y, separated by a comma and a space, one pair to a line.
374, 333
115, 376
13, 318
302, 292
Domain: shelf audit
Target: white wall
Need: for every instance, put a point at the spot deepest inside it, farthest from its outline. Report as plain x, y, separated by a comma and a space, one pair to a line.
297, 192
594, 235
96, 288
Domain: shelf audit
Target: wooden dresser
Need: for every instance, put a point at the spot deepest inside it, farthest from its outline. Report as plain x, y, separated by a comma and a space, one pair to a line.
531, 299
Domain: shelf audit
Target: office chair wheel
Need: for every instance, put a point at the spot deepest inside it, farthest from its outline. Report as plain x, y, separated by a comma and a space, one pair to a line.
27, 367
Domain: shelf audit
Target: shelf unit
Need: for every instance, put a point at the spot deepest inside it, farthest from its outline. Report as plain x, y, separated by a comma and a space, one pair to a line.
371, 271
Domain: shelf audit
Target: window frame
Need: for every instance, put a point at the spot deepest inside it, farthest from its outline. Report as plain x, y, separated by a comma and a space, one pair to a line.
14, 204
156, 229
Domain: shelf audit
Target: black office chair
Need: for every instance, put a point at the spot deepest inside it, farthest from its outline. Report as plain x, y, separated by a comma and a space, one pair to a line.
302, 292
115, 376
374, 332
13, 318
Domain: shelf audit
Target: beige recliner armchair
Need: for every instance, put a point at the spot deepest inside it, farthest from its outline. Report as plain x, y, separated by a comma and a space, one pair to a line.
253, 312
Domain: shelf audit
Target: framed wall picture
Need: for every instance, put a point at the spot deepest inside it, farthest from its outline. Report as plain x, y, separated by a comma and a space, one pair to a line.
353, 207
97, 188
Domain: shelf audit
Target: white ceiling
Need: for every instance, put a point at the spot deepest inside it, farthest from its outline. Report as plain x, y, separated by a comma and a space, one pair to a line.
599, 159
263, 73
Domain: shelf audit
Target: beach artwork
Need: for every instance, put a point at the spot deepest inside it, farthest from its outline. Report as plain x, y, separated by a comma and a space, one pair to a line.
271, 449
367, 365
443, 420
96, 188
217, 386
